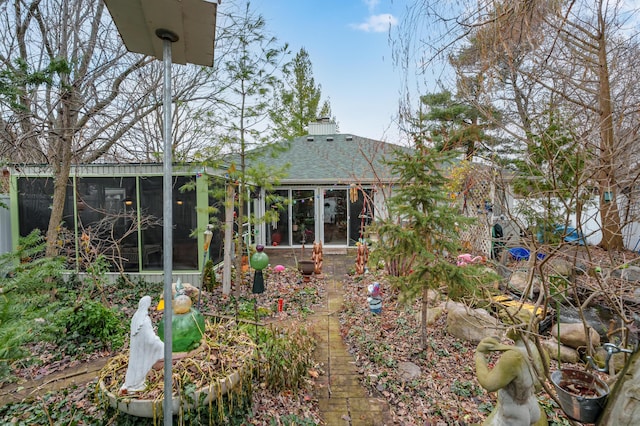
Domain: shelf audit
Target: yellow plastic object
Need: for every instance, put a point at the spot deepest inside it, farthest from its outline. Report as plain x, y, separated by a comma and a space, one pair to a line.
160, 305
509, 302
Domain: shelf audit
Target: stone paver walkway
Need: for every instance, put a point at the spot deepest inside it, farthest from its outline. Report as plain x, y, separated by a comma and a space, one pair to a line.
342, 399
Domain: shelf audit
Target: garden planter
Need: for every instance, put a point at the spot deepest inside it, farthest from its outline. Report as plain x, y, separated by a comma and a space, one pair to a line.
211, 370
582, 395
151, 408
306, 268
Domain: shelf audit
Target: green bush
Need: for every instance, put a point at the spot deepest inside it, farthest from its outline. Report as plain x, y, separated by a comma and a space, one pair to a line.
90, 323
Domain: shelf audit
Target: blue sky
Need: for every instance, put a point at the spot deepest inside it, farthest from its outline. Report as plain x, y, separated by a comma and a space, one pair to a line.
348, 44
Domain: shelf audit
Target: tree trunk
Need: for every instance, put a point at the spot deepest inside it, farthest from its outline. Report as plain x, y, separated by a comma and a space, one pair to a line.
57, 208
610, 217
62, 138
228, 237
423, 320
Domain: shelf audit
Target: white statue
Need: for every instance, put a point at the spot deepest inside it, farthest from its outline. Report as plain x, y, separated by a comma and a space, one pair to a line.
145, 348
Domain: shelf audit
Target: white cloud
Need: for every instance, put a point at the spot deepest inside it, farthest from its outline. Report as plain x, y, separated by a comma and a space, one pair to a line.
371, 4
377, 23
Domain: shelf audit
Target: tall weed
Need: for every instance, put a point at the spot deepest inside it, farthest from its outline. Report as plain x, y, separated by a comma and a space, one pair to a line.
285, 357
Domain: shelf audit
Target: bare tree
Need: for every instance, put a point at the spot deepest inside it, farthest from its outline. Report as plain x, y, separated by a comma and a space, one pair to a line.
249, 74
562, 73
529, 58
76, 96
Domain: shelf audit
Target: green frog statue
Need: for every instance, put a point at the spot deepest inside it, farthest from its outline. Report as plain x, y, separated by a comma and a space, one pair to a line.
515, 380
187, 323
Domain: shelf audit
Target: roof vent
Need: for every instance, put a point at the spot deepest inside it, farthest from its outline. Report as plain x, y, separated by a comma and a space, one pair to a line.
309, 138
329, 138
349, 138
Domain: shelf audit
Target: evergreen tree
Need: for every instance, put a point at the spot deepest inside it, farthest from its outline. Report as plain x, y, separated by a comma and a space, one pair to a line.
455, 124
422, 231
298, 100
553, 183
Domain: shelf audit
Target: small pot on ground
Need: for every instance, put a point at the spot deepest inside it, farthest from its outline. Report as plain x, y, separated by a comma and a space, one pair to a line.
306, 268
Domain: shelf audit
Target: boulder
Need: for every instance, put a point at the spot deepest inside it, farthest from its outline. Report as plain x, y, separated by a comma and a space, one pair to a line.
433, 314
471, 325
623, 404
519, 314
630, 273
519, 281
433, 297
409, 371
574, 336
567, 354
558, 266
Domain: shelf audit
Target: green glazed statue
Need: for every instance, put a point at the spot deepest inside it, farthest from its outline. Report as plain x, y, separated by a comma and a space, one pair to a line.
515, 381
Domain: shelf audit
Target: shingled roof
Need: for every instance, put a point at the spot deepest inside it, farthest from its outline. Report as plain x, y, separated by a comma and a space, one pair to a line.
334, 158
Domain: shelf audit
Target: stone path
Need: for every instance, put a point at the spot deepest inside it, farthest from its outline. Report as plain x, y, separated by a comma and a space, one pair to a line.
69, 377
342, 399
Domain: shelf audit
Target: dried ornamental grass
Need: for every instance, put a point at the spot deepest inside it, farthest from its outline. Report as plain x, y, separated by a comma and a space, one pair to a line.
223, 360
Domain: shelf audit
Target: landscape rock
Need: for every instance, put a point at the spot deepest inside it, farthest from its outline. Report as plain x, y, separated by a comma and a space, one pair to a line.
567, 354
631, 273
409, 370
433, 297
574, 336
581, 268
623, 404
433, 314
558, 266
469, 324
519, 281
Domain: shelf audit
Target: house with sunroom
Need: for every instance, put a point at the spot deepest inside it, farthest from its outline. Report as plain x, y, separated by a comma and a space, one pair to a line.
335, 187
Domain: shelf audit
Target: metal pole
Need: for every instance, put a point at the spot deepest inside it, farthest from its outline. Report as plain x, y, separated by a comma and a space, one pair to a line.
167, 238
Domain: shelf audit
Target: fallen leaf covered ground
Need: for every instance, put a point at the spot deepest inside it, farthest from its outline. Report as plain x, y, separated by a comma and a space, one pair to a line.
445, 393
80, 405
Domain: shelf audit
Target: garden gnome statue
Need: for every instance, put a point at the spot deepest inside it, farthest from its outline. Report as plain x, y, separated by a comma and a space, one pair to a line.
515, 381
145, 349
259, 261
374, 298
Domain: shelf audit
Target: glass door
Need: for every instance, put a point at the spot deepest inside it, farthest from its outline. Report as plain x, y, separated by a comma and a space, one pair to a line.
303, 216
277, 231
334, 216
360, 213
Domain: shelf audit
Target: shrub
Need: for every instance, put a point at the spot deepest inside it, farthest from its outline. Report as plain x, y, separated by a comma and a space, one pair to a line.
91, 322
